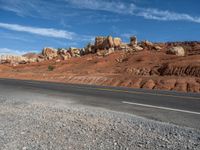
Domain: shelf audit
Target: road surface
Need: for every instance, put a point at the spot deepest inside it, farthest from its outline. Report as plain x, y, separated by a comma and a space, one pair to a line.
167, 106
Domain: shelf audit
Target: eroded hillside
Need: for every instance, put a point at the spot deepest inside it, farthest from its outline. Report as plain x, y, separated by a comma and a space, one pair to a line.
109, 61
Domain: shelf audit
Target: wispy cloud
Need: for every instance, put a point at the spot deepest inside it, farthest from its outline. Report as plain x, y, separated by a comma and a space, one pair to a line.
20, 7
132, 9
47, 9
49, 32
38, 8
152, 13
10, 36
112, 6
8, 51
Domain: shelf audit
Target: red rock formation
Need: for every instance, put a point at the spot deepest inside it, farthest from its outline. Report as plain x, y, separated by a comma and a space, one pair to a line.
179, 69
49, 53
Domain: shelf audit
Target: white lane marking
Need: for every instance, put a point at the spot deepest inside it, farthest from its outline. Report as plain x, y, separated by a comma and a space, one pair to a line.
30, 82
159, 107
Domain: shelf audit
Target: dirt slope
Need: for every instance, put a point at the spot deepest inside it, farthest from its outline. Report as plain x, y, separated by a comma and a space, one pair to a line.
145, 69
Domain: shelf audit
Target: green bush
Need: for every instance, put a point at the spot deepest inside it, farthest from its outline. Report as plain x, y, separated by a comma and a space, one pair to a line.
51, 68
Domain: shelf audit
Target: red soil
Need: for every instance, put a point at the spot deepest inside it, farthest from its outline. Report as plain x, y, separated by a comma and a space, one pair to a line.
145, 69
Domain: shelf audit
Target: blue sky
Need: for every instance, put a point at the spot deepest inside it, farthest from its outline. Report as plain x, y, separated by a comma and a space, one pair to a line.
30, 25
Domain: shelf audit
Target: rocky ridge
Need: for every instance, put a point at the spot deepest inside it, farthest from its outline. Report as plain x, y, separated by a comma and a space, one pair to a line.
104, 46
110, 61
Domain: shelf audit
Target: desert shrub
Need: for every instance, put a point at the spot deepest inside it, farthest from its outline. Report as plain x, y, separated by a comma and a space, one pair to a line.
51, 68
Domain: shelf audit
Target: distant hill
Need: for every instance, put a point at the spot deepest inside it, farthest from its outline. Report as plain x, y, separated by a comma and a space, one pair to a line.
30, 55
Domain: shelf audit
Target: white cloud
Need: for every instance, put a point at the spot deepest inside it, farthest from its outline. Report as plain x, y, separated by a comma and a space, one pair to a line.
112, 6
10, 36
132, 9
45, 9
7, 51
48, 10
20, 7
48, 32
151, 13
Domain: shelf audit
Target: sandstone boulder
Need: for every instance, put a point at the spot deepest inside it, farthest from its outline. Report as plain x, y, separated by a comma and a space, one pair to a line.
102, 43
138, 71
40, 58
62, 51
146, 44
110, 41
90, 48
133, 40
5, 61
101, 53
82, 51
149, 46
11, 59
32, 60
191, 47
111, 50
74, 52
49, 53
64, 54
122, 58
125, 47
105, 52
178, 50
137, 48
22, 62
158, 48
117, 42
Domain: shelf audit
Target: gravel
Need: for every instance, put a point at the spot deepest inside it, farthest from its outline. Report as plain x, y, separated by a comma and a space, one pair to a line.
39, 125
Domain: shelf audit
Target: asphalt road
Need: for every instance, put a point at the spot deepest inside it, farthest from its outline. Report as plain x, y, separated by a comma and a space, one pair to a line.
167, 106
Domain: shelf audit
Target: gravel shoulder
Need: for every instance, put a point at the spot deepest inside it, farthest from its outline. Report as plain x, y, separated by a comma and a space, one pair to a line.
29, 124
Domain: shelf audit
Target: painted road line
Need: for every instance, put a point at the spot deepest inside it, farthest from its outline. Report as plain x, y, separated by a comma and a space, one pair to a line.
159, 107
